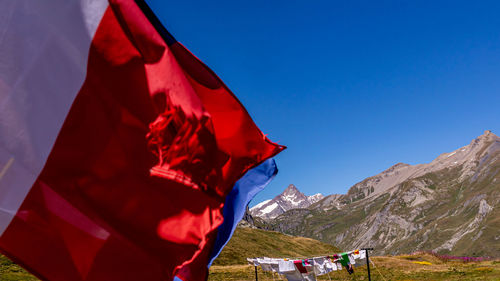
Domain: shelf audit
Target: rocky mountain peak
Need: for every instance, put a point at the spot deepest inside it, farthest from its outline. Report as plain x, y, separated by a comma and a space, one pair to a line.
487, 136
293, 195
290, 198
290, 190
466, 158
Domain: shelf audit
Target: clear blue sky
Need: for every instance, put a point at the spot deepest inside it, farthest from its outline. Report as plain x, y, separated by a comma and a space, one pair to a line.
351, 87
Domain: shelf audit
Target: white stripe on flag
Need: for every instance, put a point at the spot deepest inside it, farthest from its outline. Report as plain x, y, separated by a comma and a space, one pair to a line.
44, 47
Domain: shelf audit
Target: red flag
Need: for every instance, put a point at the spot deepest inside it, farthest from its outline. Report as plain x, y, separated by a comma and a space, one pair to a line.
133, 186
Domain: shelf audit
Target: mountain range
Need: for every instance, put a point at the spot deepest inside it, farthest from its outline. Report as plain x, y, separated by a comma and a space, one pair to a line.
450, 205
290, 199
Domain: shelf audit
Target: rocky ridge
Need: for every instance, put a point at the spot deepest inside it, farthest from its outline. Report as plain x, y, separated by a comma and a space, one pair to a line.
450, 205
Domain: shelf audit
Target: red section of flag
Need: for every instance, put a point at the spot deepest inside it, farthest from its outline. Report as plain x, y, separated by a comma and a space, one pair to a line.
135, 184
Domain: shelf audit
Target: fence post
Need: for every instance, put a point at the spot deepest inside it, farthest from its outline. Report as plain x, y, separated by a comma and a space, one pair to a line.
368, 262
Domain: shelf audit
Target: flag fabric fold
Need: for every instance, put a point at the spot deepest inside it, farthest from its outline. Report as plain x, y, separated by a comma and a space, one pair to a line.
234, 209
118, 147
237, 201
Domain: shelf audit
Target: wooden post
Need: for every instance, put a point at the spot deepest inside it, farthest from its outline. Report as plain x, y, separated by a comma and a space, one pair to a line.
368, 262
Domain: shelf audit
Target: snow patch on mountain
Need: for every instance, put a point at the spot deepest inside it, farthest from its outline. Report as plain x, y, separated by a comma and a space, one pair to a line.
315, 198
269, 208
260, 204
291, 198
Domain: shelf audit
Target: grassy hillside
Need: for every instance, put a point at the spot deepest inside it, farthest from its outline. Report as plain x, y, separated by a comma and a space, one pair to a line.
422, 267
247, 242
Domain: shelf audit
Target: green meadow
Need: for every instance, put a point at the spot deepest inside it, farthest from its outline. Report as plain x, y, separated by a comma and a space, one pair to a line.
387, 268
231, 265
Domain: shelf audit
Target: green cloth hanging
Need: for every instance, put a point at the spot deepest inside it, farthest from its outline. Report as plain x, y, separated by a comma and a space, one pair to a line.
344, 259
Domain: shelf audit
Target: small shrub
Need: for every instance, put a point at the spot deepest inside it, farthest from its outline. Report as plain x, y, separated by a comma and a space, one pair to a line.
423, 262
411, 258
483, 269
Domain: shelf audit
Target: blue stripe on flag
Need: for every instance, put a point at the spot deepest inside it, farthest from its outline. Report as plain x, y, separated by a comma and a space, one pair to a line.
236, 202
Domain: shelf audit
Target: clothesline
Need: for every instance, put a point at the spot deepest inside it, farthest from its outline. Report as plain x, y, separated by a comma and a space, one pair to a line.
350, 252
321, 256
295, 269
298, 258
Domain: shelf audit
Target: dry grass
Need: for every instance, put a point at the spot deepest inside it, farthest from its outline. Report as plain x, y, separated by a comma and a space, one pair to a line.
387, 268
247, 242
